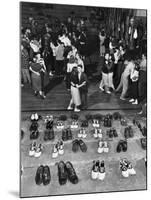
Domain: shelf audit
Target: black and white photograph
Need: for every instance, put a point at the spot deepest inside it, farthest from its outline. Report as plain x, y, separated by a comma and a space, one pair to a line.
83, 99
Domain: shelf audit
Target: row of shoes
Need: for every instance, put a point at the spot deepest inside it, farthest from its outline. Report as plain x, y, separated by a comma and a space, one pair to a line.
98, 170
107, 121
103, 146
126, 168
143, 143
49, 134
43, 175
128, 132
35, 150
97, 133
82, 133
58, 149
122, 146
78, 144
112, 133
66, 172
66, 134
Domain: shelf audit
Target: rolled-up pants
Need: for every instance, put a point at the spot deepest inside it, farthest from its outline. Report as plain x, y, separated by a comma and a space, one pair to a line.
124, 85
107, 80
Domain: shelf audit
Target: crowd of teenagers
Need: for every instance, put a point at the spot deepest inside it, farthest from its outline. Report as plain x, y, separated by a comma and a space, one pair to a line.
60, 49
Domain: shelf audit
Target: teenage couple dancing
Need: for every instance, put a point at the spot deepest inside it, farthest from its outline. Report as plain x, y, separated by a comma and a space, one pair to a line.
79, 89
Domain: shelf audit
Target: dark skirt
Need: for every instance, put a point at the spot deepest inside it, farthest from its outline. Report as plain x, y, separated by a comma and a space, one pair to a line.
142, 86
68, 80
36, 82
133, 90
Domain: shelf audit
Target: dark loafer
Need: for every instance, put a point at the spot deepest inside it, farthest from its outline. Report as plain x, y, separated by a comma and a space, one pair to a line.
115, 133
46, 135
64, 135
126, 132
33, 126
49, 125
119, 147
124, 145
144, 131
73, 178
84, 124
131, 133
62, 173
51, 134
39, 175
69, 134
46, 175
34, 135
83, 146
75, 145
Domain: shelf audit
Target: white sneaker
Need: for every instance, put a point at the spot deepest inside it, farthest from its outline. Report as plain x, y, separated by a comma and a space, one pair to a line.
80, 134
36, 116
131, 100
100, 148
125, 172
84, 135
32, 117
101, 88
38, 151
135, 102
76, 110
131, 170
55, 152
69, 108
108, 92
50, 74
105, 148
60, 148
101, 176
95, 133
94, 175
100, 133
32, 149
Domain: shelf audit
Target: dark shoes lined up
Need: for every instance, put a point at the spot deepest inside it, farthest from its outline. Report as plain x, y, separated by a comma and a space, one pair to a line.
34, 133
76, 144
122, 146
128, 132
108, 121
66, 134
112, 133
49, 134
67, 172
43, 175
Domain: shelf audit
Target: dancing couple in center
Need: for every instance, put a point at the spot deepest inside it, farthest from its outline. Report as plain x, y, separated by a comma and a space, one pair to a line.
79, 89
